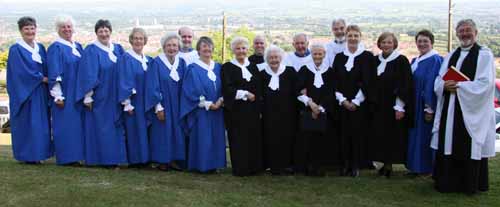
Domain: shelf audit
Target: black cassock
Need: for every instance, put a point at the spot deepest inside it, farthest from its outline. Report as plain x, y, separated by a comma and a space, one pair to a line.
389, 137
353, 133
458, 172
279, 118
314, 149
242, 119
256, 59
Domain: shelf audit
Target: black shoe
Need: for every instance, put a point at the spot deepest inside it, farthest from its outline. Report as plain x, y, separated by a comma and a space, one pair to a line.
163, 167
355, 173
388, 173
344, 172
381, 171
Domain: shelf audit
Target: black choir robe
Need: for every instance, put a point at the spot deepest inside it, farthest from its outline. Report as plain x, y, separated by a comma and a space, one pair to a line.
242, 119
256, 59
389, 137
279, 119
353, 133
316, 149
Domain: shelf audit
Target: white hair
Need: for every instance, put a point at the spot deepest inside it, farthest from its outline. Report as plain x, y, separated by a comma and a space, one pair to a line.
318, 46
466, 22
340, 20
274, 48
61, 20
167, 37
299, 35
238, 40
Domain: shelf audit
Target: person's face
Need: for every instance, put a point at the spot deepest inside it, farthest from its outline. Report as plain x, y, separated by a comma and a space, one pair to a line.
186, 38
28, 33
353, 38
424, 44
171, 47
387, 45
65, 31
240, 51
300, 44
274, 60
103, 35
467, 35
259, 46
318, 54
138, 42
338, 30
205, 51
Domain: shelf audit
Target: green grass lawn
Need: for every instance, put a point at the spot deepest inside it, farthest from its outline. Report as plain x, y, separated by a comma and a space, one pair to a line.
51, 185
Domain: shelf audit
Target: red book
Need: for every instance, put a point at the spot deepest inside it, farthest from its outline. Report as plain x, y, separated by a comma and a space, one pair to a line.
455, 75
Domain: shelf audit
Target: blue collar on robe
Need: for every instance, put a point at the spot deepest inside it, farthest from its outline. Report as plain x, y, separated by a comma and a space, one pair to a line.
305, 54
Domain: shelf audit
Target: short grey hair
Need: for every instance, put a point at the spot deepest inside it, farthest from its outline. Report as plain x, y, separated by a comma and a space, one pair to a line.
167, 37
205, 40
138, 30
300, 34
239, 40
318, 46
464, 22
274, 48
61, 20
340, 20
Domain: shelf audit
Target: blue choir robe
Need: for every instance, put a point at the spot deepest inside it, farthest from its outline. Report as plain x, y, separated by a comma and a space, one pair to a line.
205, 128
131, 70
29, 116
67, 124
420, 155
104, 137
163, 86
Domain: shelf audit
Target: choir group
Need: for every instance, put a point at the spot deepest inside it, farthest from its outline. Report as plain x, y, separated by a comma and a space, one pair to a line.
322, 105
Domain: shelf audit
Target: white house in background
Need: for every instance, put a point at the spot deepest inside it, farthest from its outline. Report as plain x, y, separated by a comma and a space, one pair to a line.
4, 111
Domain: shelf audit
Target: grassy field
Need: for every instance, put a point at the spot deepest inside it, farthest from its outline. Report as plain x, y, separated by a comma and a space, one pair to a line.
54, 186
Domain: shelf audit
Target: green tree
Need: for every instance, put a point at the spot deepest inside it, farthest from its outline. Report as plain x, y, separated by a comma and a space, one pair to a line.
3, 59
217, 38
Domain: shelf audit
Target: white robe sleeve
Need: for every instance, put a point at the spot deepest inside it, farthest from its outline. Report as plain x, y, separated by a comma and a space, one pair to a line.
127, 105
340, 97
56, 91
88, 97
400, 105
158, 108
359, 98
241, 95
304, 99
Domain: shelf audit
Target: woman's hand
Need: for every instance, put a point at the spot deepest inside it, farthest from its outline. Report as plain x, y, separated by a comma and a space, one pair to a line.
160, 115
250, 97
60, 104
399, 115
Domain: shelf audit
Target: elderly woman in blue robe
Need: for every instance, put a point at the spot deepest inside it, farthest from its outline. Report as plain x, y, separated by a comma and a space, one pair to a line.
96, 91
62, 60
131, 73
27, 89
163, 88
201, 111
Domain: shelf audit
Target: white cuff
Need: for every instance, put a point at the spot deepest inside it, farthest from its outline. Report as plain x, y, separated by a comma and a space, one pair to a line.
340, 97
134, 91
127, 105
241, 95
359, 98
204, 104
88, 97
58, 79
304, 99
399, 105
428, 109
321, 109
158, 108
56, 92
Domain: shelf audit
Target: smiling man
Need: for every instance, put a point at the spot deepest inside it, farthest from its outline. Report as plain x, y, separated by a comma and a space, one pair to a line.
302, 55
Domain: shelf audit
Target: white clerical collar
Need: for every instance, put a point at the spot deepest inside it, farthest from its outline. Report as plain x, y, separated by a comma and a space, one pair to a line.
205, 66
383, 61
107, 49
35, 51
318, 72
429, 54
244, 70
463, 49
72, 45
350, 56
139, 57
173, 67
269, 71
274, 83
339, 40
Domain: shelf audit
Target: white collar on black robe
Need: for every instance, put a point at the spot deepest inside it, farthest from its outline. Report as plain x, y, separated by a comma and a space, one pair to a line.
274, 83
297, 62
245, 74
429, 54
141, 58
350, 56
318, 72
173, 67
72, 45
107, 49
210, 69
383, 61
35, 51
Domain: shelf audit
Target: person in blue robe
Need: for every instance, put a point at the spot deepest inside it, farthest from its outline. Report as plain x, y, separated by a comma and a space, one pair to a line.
28, 96
425, 68
131, 70
62, 60
96, 90
201, 112
163, 87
